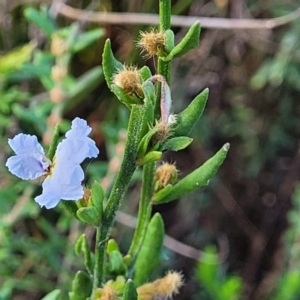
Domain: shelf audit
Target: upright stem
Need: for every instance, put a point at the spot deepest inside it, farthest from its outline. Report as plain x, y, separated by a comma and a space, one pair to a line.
163, 67
144, 210
148, 180
121, 184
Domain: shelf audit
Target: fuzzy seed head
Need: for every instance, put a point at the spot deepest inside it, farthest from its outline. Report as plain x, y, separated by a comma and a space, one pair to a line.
151, 43
129, 79
166, 174
163, 133
108, 293
164, 288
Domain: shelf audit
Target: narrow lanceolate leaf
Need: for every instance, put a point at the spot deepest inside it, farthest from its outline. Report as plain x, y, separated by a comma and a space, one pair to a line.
125, 97
188, 118
148, 257
198, 178
81, 286
149, 157
189, 42
41, 19
54, 142
177, 143
110, 64
89, 215
169, 38
98, 197
52, 295
82, 87
82, 248
130, 291
145, 73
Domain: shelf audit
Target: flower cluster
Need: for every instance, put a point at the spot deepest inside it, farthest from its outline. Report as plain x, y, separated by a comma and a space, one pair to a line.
63, 176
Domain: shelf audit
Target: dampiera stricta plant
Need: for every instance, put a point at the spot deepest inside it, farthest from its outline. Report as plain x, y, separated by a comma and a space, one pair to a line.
63, 175
152, 130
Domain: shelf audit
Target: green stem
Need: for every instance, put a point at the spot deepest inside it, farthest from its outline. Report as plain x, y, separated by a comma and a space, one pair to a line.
144, 210
149, 169
163, 67
99, 259
165, 7
124, 176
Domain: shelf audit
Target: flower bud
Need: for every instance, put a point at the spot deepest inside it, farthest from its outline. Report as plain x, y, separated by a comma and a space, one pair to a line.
165, 174
163, 288
108, 293
152, 43
163, 133
129, 79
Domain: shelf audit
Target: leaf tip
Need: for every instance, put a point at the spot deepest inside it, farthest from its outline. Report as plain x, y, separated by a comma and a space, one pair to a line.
226, 147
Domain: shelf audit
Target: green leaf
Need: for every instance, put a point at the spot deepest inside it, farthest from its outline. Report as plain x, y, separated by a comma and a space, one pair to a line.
145, 73
13, 60
112, 246
189, 42
110, 64
89, 215
71, 207
149, 100
52, 295
232, 287
82, 87
54, 143
149, 157
41, 19
148, 257
81, 286
188, 118
116, 263
207, 272
125, 97
177, 143
98, 197
130, 292
87, 38
145, 142
82, 247
169, 38
198, 178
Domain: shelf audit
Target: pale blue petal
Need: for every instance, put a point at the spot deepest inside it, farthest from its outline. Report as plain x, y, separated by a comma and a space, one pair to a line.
30, 161
54, 191
26, 144
25, 167
68, 173
79, 143
79, 129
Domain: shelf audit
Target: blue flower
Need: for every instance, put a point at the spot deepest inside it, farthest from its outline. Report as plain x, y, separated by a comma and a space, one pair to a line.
63, 176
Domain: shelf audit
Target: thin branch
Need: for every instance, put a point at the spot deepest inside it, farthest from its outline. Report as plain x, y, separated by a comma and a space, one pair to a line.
182, 21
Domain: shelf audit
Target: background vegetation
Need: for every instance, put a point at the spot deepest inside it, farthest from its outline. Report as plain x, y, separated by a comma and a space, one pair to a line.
249, 213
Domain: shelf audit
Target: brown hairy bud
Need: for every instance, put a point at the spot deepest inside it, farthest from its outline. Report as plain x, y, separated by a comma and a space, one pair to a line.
108, 293
129, 79
151, 43
164, 288
165, 174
